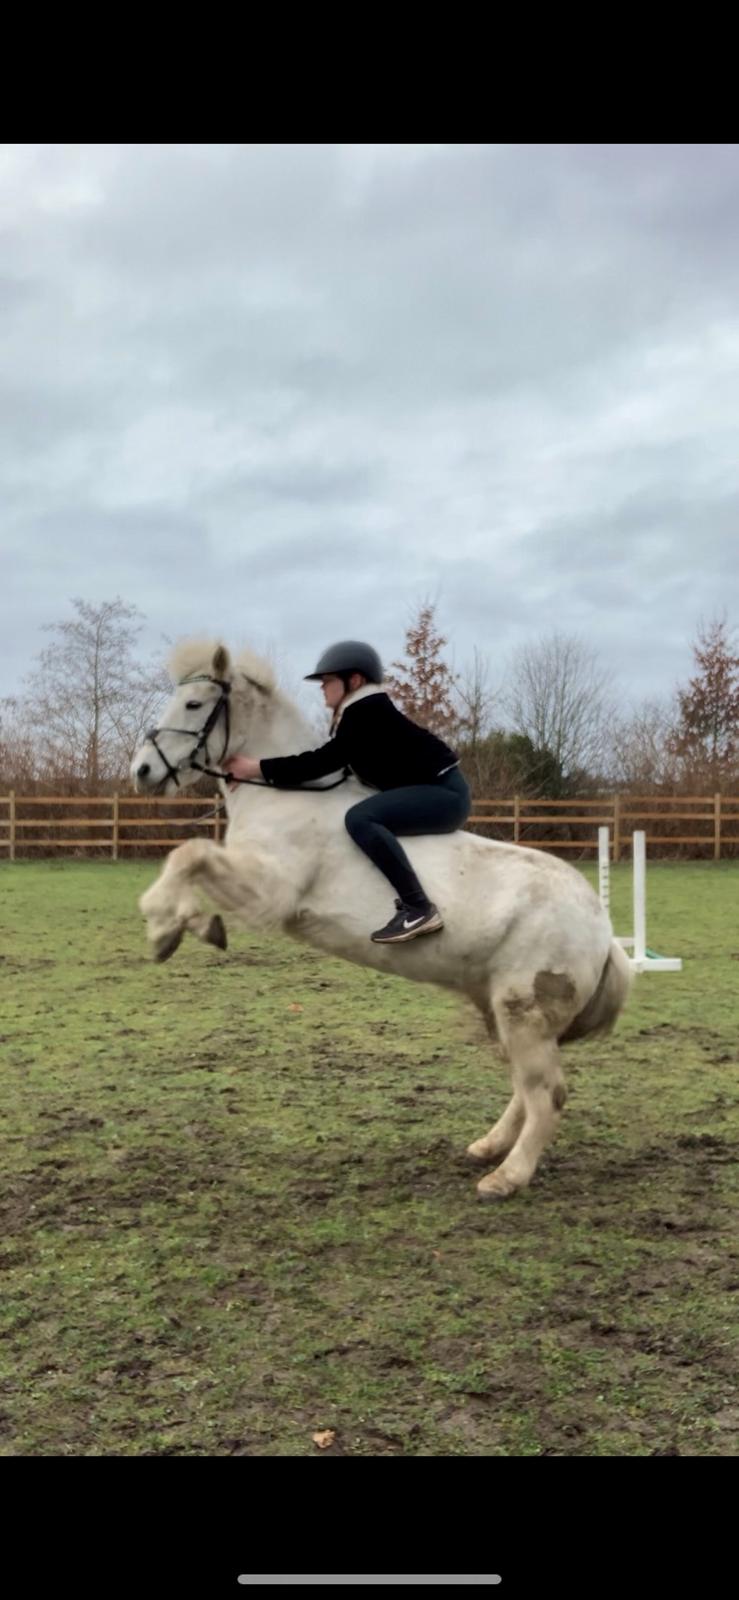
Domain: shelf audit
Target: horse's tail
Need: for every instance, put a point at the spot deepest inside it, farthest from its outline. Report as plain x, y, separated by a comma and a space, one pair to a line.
606, 1001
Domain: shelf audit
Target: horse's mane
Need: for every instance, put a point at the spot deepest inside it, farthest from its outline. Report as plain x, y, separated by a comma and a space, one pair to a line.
190, 656
196, 655
277, 721
256, 669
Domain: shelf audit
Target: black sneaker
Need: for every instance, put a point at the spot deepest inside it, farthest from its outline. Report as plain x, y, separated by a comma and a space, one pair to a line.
407, 923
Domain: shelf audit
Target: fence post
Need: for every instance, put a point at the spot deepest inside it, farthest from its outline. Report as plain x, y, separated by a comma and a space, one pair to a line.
717, 827
115, 826
12, 824
617, 827
516, 820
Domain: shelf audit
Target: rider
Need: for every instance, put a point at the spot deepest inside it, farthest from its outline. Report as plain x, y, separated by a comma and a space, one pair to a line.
420, 787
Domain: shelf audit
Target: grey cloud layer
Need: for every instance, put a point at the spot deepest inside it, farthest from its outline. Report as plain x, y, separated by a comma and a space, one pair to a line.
283, 392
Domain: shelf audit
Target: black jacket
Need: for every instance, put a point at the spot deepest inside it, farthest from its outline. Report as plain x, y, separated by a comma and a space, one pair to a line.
381, 745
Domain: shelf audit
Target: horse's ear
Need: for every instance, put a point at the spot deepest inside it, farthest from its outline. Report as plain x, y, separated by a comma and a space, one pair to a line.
222, 663
256, 671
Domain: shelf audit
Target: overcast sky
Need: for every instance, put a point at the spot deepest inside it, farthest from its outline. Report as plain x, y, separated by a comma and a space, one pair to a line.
282, 393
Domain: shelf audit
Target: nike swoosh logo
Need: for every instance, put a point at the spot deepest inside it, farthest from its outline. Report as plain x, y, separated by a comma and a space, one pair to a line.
414, 923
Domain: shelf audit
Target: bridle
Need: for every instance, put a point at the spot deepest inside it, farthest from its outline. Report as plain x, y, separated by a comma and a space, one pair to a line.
201, 741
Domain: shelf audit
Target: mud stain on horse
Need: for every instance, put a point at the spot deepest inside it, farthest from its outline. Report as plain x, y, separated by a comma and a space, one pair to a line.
553, 995
557, 986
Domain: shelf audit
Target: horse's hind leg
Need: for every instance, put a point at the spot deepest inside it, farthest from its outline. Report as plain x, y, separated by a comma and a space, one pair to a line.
503, 1135
539, 1092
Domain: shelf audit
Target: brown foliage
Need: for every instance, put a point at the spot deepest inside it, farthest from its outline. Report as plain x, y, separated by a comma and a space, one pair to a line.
423, 685
706, 738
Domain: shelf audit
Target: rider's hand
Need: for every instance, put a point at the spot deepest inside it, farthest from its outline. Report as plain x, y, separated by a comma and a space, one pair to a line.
242, 767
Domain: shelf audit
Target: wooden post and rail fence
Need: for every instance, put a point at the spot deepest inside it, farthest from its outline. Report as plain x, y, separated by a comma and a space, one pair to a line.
708, 825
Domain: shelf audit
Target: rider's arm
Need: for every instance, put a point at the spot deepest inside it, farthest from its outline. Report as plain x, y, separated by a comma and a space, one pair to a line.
287, 772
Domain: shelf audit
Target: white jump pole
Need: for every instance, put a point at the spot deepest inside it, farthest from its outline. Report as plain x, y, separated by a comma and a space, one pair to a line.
604, 857
604, 877
642, 960
639, 858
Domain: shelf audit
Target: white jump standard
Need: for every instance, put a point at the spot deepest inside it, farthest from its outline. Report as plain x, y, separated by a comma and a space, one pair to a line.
643, 959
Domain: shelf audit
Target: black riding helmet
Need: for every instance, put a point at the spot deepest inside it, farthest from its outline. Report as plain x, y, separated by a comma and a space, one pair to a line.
346, 657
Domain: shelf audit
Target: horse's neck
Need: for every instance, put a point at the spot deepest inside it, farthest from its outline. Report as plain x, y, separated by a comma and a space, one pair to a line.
280, 730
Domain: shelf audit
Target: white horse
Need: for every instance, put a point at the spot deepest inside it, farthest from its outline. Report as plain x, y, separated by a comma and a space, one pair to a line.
524, 935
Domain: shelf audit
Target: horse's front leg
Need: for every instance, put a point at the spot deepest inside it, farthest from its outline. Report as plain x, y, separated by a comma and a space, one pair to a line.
170, 905
242, 881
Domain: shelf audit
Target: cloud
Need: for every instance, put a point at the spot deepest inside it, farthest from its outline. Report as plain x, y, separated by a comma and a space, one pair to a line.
284, 392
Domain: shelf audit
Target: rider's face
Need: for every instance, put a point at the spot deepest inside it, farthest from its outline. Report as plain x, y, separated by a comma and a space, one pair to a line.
333, 690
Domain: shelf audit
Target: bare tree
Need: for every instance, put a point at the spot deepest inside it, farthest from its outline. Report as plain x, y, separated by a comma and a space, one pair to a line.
641, 756
18, 759
88, 699
559, 698
476, 699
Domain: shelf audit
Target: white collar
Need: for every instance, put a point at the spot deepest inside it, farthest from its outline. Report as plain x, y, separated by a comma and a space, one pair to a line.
356, 694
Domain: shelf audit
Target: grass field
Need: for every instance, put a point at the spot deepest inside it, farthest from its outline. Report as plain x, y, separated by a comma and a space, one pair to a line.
235, 1210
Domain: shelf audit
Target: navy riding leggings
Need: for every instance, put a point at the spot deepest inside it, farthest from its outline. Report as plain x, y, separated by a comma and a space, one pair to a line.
375, 823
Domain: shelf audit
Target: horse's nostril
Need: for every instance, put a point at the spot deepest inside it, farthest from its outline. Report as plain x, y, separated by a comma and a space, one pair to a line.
144, 770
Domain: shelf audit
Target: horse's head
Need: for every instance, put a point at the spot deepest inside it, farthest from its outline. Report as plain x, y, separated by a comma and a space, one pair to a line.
195, 730
218, 708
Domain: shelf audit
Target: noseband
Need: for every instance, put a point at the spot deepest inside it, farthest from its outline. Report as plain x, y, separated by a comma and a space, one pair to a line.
201, 742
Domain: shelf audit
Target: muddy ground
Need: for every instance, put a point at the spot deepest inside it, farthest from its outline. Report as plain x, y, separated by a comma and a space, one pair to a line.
235, 1210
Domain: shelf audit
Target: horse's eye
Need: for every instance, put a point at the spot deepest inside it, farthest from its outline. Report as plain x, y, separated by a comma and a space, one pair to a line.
193, 705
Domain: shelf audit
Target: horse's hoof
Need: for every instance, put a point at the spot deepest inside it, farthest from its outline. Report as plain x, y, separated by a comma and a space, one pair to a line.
474, 1152
216, 933
165, 947
496, 1187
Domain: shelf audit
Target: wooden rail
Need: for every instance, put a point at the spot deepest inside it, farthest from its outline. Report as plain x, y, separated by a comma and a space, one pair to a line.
623, 814
124, 826
116, 823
